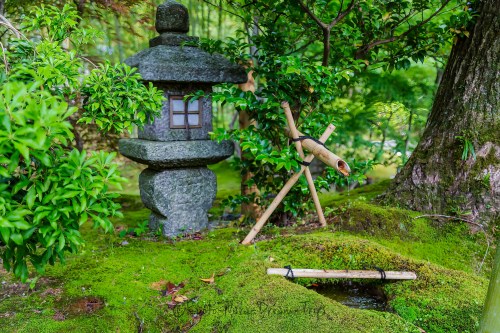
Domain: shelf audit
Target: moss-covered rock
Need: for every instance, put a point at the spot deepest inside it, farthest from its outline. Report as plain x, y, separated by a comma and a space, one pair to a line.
360, 216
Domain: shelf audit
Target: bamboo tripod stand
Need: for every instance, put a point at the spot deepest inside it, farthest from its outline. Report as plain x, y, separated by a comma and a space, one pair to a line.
317, 149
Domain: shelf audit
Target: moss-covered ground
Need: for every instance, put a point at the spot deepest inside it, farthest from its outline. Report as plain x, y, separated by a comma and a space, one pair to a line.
152, 284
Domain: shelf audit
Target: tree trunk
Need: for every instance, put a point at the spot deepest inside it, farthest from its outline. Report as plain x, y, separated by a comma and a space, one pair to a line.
436, 178
491, 312
219, 24
248, 209
119, 42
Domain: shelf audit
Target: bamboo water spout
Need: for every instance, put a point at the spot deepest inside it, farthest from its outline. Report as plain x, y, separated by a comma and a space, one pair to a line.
317, 149
323, 154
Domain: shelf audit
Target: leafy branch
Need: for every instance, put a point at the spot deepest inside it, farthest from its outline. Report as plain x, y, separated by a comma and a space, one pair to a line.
326, 28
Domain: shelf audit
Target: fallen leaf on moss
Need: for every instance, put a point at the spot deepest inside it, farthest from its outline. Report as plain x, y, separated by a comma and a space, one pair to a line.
221, 273
197, 236
209, 280
180, 299
59, 316
172, 288
167, 287
171, 304
158, 285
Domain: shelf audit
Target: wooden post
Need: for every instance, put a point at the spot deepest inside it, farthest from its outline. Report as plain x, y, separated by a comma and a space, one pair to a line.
342, 274
307, 172
263, 219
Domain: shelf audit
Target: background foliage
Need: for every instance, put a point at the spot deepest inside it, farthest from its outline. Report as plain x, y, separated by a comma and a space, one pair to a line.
359, 65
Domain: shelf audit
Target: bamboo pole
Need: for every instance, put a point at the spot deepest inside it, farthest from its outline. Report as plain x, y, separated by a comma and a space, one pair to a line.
324, 155
265, 216
490, 321
307, 172
342, 274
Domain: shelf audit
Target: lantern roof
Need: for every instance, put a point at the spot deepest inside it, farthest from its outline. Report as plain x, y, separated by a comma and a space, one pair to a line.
173, 58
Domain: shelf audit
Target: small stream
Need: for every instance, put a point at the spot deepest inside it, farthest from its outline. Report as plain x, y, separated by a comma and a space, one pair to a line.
355, 295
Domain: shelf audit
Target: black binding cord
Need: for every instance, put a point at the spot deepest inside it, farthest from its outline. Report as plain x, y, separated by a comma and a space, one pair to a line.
304, 163
303, 137
291, 276
381, 271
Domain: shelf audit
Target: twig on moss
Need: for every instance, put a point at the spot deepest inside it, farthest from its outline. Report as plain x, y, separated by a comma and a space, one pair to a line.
480, 226
450, 218
140, 327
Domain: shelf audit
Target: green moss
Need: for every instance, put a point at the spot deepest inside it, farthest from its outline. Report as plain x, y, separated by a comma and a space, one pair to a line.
364, 193
272, 304
360, 216
451, 244
447, 297
242, 295
228, 179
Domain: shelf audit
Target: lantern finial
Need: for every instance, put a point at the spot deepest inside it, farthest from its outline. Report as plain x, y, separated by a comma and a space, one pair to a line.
172, 17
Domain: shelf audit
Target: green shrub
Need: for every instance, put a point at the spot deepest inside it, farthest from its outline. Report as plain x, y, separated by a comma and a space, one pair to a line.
48, 189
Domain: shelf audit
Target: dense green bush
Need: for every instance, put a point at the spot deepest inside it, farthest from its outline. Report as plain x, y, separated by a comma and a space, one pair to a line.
48, 189
331, 61
111, 88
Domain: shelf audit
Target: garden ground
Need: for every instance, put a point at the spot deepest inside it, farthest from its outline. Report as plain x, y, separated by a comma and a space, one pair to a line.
208, 282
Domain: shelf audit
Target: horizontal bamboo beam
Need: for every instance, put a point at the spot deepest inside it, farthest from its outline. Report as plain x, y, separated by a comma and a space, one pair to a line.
341, 274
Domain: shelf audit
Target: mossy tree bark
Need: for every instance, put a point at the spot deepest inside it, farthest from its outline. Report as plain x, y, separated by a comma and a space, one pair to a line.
436, 178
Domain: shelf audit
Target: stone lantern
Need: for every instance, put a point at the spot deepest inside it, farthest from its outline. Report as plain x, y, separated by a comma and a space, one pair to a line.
177, 186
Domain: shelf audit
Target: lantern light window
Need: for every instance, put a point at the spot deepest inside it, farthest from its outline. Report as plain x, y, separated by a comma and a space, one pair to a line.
181, 110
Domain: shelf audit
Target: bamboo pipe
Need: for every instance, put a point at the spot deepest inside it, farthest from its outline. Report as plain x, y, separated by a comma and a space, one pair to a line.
307, 172
263, 219
342, 274
323, 154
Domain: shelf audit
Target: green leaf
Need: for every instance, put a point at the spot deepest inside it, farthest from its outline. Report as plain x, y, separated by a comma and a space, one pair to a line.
24, 151
30, 197
17, 238
28, 233
83, 218
22, 225
4, 223
5, 233
62, 242
52, 239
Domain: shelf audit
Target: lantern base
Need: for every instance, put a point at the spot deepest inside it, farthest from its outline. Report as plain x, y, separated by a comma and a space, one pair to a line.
178, 198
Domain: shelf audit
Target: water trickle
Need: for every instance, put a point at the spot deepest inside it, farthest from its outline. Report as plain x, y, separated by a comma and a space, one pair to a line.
355, 295
348, 186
